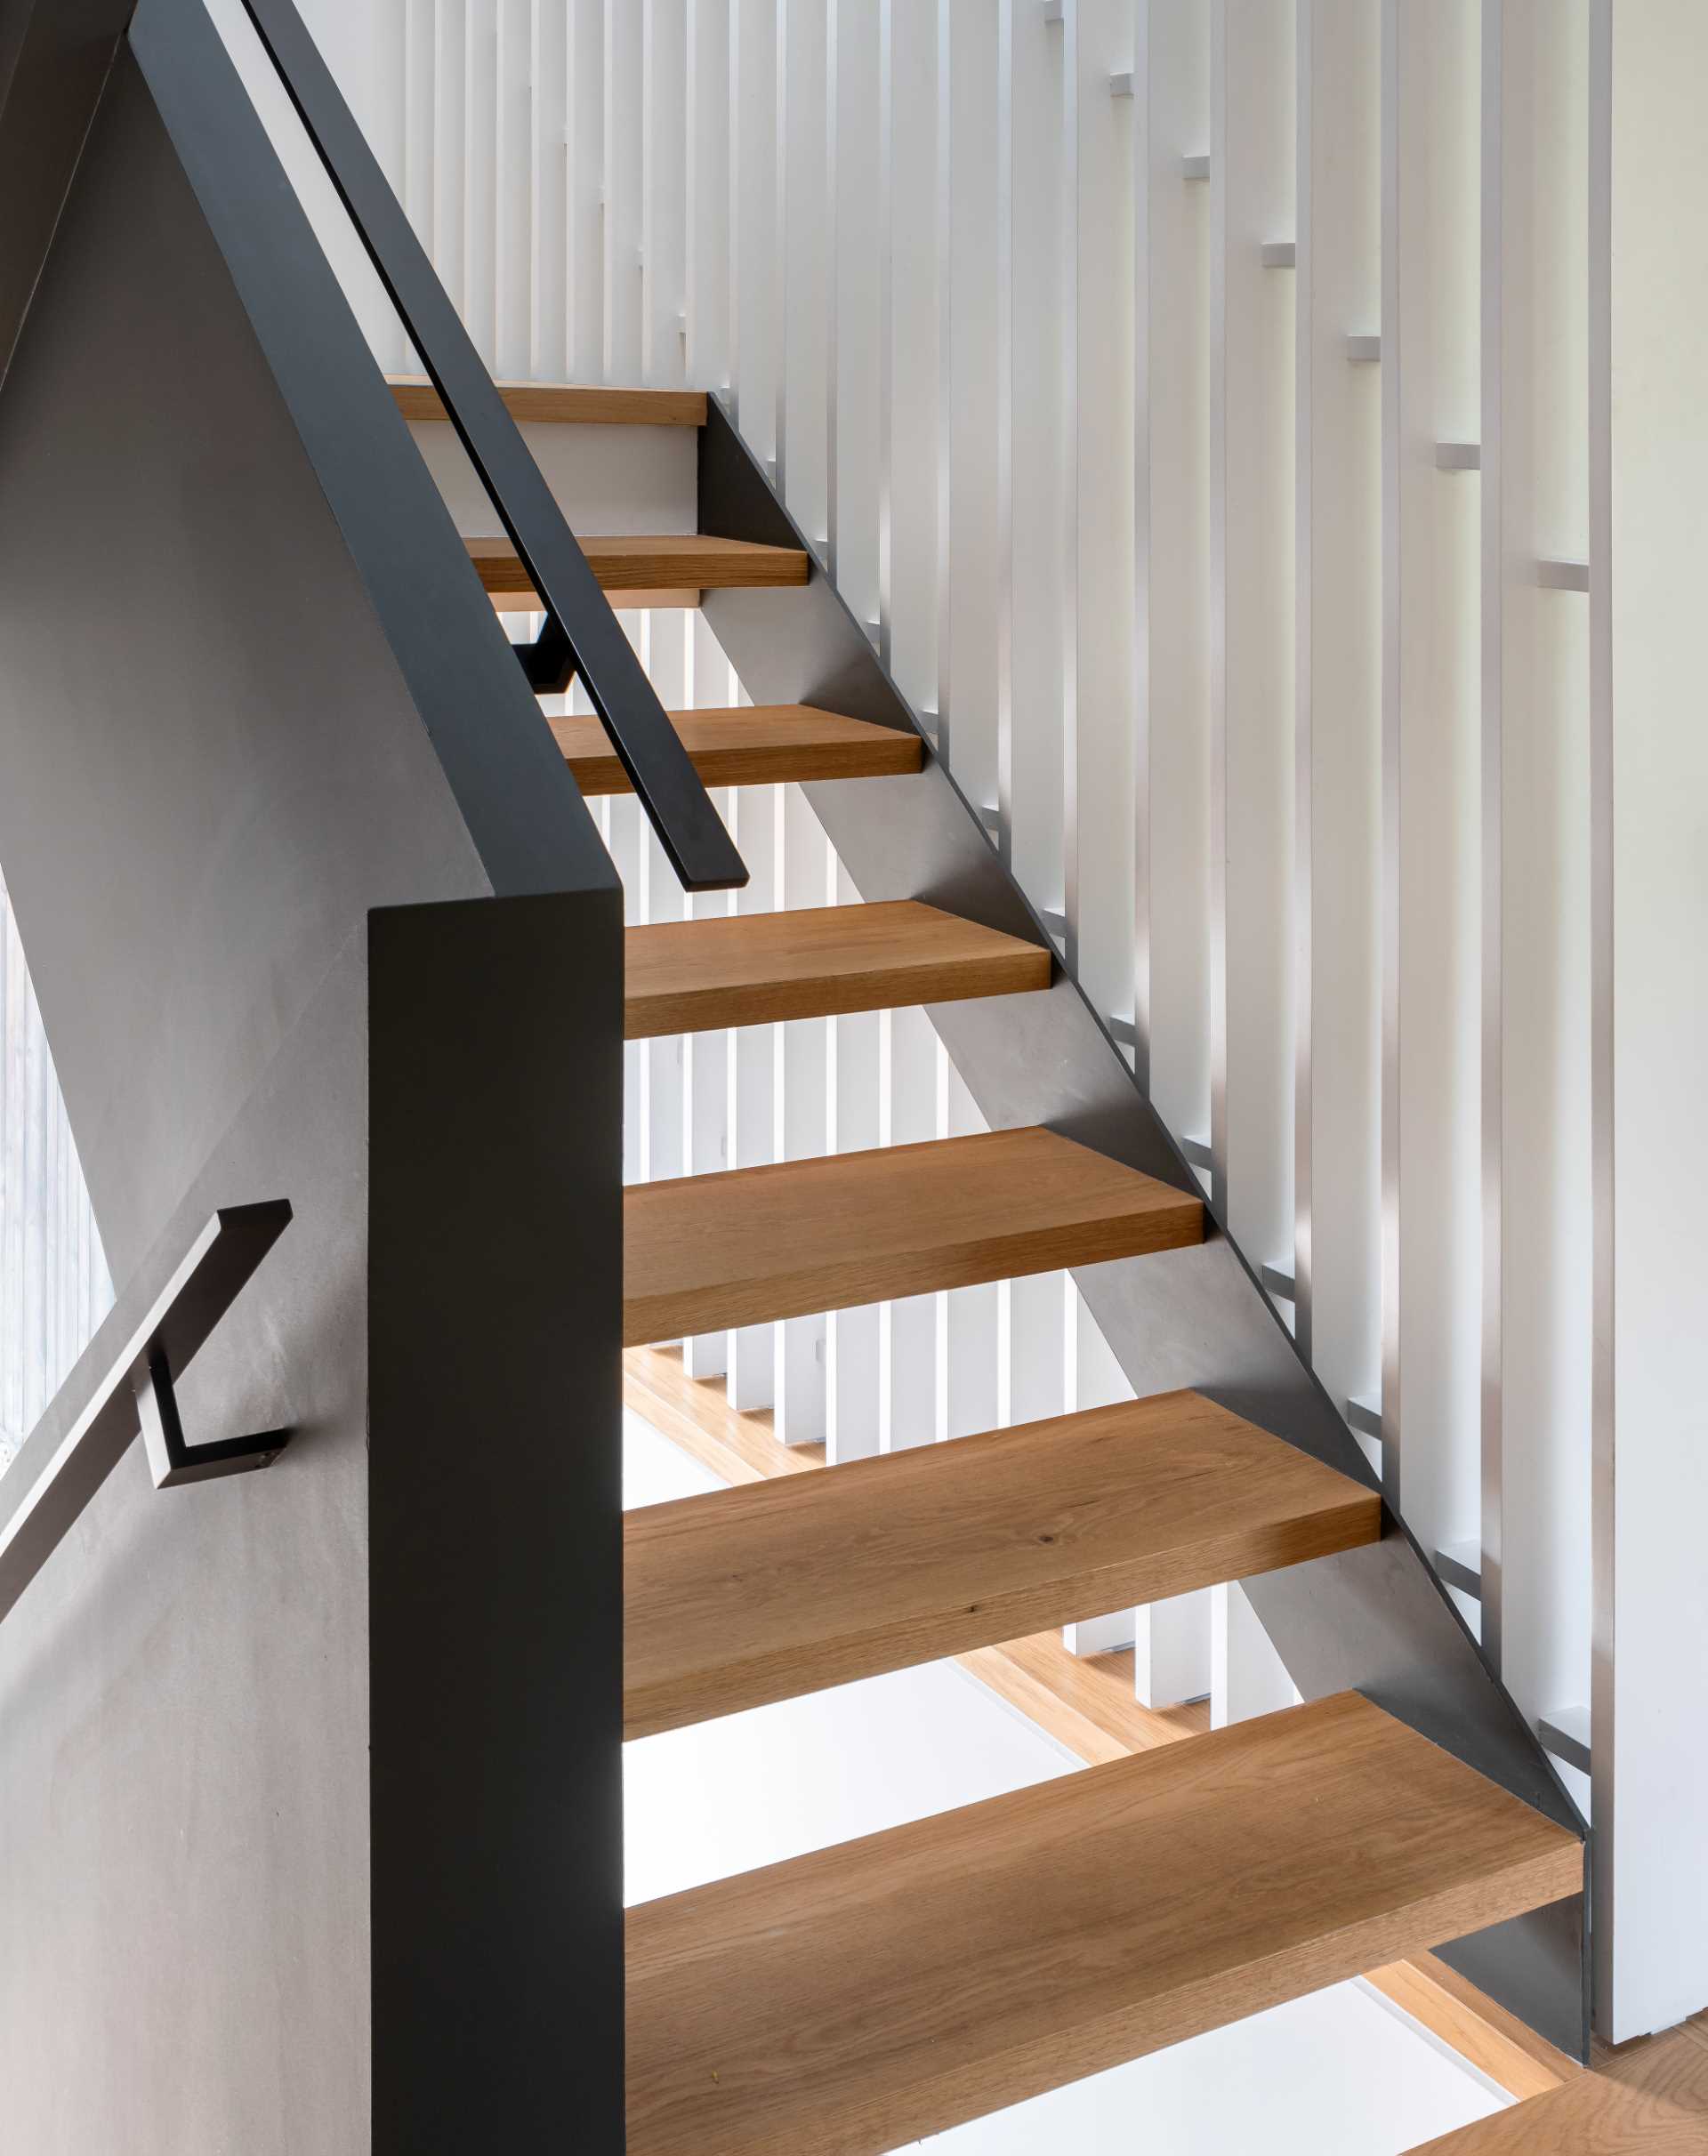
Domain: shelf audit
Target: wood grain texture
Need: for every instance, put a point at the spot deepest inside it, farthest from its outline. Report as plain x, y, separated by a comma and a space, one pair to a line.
785, 1240
742, 1597
759, 745
1648, 2098
566, 403
1497, 2043
852, 2000
1086, 1702
669, 561
753, 969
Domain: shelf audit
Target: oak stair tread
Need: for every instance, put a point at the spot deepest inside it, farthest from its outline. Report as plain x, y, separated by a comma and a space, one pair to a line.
757, 968
662, 562
744, 1596
1646, 2098
564, 403
757, 745
853, 2000
751, 1244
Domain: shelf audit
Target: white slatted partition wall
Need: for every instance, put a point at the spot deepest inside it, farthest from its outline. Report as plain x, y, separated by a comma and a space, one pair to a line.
54, 1288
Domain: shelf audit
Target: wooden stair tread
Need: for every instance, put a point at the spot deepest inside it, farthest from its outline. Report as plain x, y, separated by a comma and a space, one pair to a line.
758, 745
785, 1240
855, 1998
667, 561
566, 403
744, 1596
1647, 2098
754, 969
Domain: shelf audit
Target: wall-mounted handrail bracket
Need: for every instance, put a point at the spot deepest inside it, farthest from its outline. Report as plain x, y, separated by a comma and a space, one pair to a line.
153, 1332
173, 1461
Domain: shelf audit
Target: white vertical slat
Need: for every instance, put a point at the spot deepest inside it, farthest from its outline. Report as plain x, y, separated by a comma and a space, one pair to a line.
1169, 641
802, 267
857, 275
706, 1056
1247, 1676
1538, 1194
1502, 466
910, 440
1251, 186
969, 569
755, 317
479, 173
1032, 819
854, 1110
1431, 345
54, 1288
450, 146
854, 310
584, 182
663, 648
803, 1086
1171, 511
753, 1374
623, 141
910, 379
1095, 1380
968, 1318
802, 199
1172, 1650
1337, 741
551, 234
943, 270
513, 192
909, 1328
1067, 207
1101, 911
1648, 1740
420, 148
710, 153
663, 193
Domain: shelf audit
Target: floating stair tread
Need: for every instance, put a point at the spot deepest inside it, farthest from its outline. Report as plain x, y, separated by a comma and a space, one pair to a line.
758, 745
751, 1244
668, 561
754, 969
852, 2000
566, 403
749, 1594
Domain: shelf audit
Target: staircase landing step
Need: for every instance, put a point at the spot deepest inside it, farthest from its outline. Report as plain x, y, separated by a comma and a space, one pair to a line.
852, 2000
758, 745
751, 1244
758, 968
744, 1596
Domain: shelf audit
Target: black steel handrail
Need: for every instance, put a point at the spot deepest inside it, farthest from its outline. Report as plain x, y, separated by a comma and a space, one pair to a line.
582, 631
